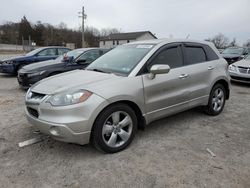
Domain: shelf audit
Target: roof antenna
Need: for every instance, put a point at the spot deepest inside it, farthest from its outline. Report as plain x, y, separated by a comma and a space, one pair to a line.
187, 36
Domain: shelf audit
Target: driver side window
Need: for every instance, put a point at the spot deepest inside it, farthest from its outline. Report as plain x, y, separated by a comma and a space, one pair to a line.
47, 52
90, 56
171, 56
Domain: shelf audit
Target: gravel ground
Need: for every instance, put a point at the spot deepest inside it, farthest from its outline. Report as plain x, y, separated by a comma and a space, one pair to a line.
169, 153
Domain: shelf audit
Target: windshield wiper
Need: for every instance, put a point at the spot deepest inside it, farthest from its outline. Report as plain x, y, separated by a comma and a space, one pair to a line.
98, 70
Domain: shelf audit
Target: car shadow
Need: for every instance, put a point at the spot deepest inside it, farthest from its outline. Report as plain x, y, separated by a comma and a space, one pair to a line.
7, 75
240, 84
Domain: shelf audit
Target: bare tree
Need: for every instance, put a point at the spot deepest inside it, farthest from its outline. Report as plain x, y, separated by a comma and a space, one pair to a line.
220, 41
107, 31
92, 36
233, 43
247, 43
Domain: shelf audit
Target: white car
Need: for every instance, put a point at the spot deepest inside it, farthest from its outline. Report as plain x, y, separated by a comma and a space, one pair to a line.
240, 71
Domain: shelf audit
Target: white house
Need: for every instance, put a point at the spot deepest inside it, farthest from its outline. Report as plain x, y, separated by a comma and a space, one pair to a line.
116, 39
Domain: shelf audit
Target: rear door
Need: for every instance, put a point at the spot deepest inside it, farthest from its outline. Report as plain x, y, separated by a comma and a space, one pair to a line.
166, 93
199, 66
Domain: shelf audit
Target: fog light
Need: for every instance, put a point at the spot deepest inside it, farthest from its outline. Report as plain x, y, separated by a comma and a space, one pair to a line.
54, 131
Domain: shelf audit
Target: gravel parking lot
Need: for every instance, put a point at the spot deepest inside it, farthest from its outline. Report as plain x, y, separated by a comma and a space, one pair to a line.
169, 153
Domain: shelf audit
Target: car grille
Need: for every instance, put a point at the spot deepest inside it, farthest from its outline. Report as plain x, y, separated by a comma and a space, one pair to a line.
34, 98
240, 78
244, 70
33, 112
37, 96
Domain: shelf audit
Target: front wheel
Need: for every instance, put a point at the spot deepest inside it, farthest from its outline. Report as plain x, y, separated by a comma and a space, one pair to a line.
216, 101
114, 128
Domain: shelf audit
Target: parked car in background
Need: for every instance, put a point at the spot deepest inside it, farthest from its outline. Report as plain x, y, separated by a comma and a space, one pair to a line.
220, 50
130, 86
72, 60
12, 65
234, 54
240, 71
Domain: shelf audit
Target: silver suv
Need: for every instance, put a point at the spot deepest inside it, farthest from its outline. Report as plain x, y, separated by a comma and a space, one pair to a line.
127, 88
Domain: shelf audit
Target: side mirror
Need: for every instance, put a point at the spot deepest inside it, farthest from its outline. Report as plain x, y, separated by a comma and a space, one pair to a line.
81, 61
158, 69
68, 59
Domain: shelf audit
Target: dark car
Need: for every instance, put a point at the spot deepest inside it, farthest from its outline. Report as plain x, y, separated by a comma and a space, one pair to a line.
233, 54
12, 65
75, 59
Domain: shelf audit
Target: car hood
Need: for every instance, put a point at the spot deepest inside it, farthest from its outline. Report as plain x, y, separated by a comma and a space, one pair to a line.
40, 66
17, 58
78, 79
243, 63
231, 55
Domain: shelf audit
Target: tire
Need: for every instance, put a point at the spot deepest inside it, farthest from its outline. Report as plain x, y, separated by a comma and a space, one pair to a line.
114, 128
217, 100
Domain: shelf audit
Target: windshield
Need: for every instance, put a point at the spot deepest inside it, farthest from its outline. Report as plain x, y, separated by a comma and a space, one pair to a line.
121, 60
33, 52
238, 51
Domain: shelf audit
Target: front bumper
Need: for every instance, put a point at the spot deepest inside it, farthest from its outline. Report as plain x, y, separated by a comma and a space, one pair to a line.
7, 68
239, 77
63, 132
26, 81
71, 123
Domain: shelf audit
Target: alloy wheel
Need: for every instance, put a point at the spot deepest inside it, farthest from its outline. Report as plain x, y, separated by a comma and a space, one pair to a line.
117, 129
218, 99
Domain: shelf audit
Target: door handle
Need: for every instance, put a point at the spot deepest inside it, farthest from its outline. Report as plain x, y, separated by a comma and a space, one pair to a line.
210, 68
182, 76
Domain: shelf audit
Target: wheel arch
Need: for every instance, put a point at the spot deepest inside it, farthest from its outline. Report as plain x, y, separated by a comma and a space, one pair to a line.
140, 118
225, 83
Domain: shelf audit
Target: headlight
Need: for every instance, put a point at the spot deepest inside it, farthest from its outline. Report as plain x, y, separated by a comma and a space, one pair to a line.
28, 94
35, 74
69, 98
232, 68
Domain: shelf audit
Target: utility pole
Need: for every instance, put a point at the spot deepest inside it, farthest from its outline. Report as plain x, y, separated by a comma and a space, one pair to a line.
83, 16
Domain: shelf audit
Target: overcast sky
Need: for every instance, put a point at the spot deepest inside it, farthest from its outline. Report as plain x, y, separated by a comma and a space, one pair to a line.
198, 18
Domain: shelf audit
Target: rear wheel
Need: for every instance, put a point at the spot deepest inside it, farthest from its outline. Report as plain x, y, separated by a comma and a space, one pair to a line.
114, 128
216, 101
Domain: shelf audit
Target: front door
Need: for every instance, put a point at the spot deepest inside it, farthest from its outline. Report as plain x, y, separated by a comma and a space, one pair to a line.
166, 93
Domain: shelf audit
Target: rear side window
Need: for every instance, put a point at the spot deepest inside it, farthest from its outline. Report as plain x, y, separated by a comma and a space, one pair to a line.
170, 56
211, 55
194, 55
62, 51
